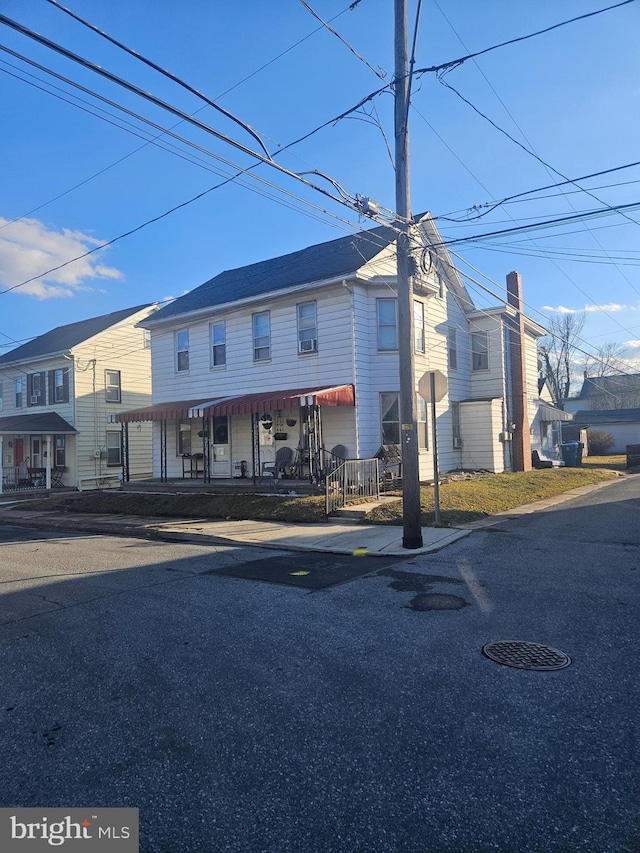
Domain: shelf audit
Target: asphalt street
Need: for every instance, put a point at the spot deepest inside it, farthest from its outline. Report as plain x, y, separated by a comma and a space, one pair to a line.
240, 715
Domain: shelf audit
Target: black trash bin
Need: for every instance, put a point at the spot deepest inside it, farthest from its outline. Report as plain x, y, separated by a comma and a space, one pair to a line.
569, 451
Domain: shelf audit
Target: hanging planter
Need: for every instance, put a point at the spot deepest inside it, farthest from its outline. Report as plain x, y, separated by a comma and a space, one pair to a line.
291, 422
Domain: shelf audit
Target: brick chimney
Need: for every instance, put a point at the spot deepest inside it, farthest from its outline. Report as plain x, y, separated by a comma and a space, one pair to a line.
521, 441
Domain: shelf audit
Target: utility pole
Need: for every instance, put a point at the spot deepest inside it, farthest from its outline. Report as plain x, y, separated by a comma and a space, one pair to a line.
412, 529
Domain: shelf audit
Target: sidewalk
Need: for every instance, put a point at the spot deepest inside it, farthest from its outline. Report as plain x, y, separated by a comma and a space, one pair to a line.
383, 540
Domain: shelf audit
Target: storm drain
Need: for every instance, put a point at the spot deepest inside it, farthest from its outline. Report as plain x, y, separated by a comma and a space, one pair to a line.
523, 655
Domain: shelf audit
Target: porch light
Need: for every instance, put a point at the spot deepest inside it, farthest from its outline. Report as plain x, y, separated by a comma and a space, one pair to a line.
267, 421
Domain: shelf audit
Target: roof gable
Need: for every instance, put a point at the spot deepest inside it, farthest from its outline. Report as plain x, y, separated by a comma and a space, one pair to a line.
63, 338
612, 386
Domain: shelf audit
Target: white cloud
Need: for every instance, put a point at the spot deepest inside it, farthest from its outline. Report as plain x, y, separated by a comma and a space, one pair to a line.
609, 308
632, 344
28, 248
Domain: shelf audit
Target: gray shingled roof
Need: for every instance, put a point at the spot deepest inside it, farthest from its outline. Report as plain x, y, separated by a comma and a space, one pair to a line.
315, 263
598, 386
45, 423
599, 417
63, 338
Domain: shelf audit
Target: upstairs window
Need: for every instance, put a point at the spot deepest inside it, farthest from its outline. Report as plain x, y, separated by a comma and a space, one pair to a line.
36, 389
479, 351
218, 338
17, 385
419, 339
113, 391
182, 351
58, 386
262, 336
387, 314
452, 348
307, 327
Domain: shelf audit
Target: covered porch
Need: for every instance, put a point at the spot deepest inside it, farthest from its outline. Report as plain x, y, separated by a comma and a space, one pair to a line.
249, 437
34, 449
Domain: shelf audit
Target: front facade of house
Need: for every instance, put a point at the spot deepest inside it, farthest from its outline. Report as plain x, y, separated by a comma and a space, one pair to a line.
57, 394
308, 343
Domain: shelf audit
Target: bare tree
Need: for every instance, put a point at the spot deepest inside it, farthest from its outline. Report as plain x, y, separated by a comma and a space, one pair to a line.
607, 361
557, 352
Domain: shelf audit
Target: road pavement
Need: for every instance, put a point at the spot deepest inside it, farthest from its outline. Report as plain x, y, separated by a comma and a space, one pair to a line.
249, 716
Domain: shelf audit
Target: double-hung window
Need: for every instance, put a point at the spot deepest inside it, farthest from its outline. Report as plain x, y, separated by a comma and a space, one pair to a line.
114, 449
423, 434
479, 351
182, 351
456, 430
113, 390
418, 327
17, 386
390, 417
452, 348
218, 342
307, 327
59, 395
387, 319
36, 389
261, 336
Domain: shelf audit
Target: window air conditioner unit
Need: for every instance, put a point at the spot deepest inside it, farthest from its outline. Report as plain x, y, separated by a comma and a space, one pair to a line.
457, 443
310, 345
35, 398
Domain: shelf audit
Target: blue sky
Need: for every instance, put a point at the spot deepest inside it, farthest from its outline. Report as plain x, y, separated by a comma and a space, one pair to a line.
570, 95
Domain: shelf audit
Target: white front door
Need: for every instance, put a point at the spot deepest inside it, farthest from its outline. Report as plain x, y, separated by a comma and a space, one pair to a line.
220, 447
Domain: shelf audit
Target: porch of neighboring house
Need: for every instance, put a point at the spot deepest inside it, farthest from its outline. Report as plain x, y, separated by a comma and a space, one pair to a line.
35, 451
261, 441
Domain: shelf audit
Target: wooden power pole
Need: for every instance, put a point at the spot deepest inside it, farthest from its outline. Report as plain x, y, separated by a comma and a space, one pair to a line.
412, 529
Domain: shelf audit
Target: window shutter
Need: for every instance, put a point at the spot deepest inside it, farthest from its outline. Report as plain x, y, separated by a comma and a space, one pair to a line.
51, 384
29, 388
65, 385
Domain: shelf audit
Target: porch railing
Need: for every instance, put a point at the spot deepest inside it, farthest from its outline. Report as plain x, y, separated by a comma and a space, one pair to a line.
15, 478
350, 481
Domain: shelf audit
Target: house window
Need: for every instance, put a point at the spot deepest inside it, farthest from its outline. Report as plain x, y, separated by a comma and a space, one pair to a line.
418, 327
58, 386
182, 351
423, 434
479, 351
307, 327
218, 338
456, 432
387, 310
261, 336
114, 449
452, 348
113, 393
390, 417
146, 338
59, 451
35, 389
17, 385
183, 440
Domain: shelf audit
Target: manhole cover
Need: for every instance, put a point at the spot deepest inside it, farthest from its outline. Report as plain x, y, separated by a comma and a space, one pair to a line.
522, 655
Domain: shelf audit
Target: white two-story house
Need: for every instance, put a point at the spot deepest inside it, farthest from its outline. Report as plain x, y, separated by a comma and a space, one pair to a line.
301, 351
57, 394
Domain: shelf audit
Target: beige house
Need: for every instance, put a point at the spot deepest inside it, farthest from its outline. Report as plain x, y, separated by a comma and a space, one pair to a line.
58, 393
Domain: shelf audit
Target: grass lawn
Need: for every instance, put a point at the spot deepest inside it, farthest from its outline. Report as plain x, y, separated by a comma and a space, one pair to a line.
460, 500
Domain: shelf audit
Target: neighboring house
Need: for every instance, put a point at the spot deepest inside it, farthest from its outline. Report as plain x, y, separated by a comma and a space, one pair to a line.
57, 393
309, 343
547, 428
606, 392
622, 424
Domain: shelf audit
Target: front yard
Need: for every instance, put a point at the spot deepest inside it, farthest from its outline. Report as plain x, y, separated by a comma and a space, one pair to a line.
460, 500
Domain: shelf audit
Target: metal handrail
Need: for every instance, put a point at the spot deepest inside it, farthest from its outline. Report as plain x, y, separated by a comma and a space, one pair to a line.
350, 481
